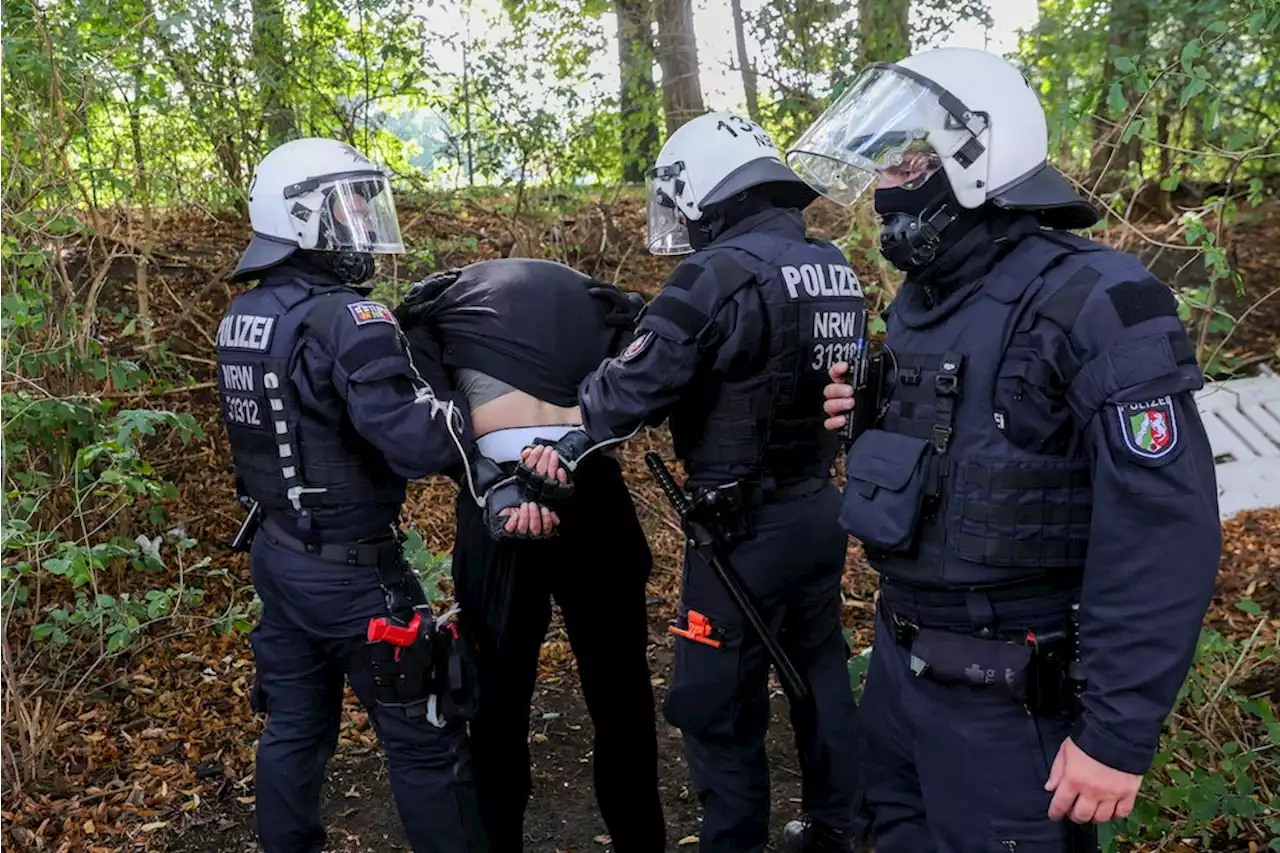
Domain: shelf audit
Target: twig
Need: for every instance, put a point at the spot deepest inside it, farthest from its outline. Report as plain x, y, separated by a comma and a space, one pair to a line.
116, 395
1244, 652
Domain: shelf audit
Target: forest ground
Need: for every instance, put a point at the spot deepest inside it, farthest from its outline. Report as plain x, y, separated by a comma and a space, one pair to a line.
158, 754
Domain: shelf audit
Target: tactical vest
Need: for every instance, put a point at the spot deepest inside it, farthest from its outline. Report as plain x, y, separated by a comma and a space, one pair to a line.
936, 492
768, 425
286, 456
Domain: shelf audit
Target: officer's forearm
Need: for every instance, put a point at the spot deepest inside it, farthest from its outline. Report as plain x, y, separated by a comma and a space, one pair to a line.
621, 397
417, 439
1148, 581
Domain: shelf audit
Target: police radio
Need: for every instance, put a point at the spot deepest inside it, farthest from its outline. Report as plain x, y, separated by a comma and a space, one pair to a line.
867, 375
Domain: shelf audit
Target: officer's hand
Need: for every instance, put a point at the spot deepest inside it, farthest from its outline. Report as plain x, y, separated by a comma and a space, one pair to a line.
838, 396
530, 519
1088, 790
624, 307
417, 302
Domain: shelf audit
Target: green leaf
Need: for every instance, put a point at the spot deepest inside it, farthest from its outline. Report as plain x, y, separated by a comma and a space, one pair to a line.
877, 326
1133, 129
118, 641
1125, 65
42, 631
1217, 27
1190, 51
1116, 101
1170, 182
57, 565
1193, 88
1250, 607
106, 602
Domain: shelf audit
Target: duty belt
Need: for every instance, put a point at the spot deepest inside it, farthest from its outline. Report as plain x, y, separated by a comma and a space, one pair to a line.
757, 495
352, 553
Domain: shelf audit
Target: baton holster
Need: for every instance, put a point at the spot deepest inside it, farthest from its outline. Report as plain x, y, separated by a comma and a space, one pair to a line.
724, 512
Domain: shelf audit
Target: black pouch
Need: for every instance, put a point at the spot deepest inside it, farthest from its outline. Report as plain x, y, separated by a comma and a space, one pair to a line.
885, 489
950, 658
457, 675
1051, 691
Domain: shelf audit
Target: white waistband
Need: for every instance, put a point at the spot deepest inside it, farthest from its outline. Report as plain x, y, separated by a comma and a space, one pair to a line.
504, 445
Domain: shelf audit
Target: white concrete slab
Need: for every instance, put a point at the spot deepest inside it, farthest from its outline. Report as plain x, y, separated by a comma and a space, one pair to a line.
1242, 419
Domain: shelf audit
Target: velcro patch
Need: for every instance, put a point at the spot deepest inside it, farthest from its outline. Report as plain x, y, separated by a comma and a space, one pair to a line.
371, 312
1149, 429
638, 346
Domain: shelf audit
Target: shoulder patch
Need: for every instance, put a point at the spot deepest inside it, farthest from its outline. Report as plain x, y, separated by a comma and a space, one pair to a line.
1149, 429
371, 312
637, 347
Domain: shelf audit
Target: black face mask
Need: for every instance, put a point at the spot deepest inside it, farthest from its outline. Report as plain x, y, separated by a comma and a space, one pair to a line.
351, 268
914, 222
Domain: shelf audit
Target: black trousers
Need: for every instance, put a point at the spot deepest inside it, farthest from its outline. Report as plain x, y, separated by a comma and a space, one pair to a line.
596, 570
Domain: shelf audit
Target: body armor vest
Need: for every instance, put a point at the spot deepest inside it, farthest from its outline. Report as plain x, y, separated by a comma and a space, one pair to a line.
289, 457
768, 425
936, 491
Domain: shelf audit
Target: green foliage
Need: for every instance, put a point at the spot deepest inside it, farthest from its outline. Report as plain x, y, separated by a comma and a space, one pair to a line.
429, 567
1217, 758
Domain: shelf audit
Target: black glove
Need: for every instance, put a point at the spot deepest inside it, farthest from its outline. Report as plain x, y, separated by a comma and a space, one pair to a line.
418, 302
500, 492
624, 307
547, 491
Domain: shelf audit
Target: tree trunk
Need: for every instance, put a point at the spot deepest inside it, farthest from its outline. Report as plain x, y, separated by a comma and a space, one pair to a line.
1127, 24
269, 65
678, 56
638, 96
745, 63
884, 30
143, 194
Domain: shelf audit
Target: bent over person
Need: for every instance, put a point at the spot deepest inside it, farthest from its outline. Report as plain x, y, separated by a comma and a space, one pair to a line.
735, 350
328, 418
1030, 477
517, 336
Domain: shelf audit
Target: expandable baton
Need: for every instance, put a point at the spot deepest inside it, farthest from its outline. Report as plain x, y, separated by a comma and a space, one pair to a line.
243, 540
705, 543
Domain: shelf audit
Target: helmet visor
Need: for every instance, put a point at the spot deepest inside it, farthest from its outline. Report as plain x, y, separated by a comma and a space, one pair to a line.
889, 126
668, 231
359, 215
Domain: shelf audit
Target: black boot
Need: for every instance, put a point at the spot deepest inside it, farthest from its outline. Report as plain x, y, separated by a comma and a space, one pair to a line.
805, 836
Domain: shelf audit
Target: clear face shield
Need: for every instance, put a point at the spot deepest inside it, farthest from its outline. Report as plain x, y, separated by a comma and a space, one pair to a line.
668, 230
889, 129
357, 214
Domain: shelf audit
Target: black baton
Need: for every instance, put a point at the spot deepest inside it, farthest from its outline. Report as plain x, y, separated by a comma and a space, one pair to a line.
705, 544
243, 540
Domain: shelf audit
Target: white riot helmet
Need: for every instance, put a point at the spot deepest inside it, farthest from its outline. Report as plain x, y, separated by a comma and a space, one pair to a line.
322, 195
706, 162
968, 112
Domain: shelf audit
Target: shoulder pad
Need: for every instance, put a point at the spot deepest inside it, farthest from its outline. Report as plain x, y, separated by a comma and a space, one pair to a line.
1126, 333
694, 294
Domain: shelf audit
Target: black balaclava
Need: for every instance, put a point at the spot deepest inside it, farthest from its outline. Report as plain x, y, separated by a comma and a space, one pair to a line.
920, 224
719, 218
351, 268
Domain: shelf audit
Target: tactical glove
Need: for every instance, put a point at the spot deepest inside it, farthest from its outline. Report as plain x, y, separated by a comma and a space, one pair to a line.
420, 299
501, 492
549, 490
624, 308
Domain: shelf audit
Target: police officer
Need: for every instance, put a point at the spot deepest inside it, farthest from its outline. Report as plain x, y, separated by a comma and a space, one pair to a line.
1032, 450
735, 349
327, 419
